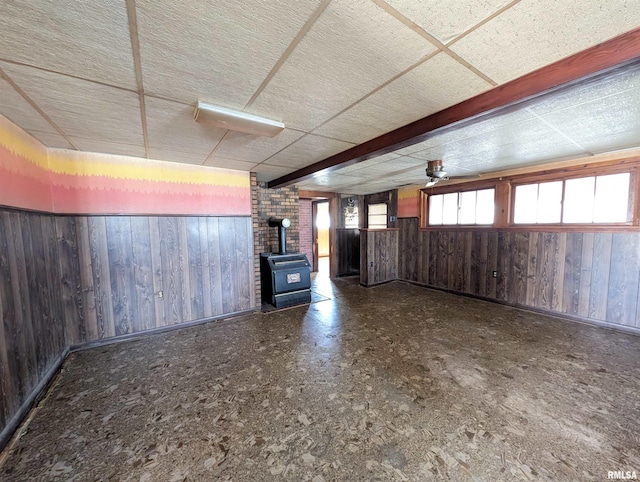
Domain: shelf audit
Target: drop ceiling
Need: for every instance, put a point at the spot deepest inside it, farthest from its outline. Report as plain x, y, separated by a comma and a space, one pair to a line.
124, 77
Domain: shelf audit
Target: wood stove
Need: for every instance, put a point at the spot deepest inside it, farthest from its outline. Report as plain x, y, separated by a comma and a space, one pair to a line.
286, 277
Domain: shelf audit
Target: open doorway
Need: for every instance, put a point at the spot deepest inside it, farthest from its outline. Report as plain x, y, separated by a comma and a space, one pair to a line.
321, 225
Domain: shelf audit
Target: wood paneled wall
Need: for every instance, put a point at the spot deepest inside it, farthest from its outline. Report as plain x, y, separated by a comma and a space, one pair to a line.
348, 251
591, 275
31, 310
378, 256
67, 280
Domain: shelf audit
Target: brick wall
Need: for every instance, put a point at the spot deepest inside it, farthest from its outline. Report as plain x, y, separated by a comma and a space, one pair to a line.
306, 229
281, 203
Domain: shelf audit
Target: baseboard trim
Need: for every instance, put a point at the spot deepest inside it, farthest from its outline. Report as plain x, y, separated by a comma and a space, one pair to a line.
157, 331
540, 311
11, 429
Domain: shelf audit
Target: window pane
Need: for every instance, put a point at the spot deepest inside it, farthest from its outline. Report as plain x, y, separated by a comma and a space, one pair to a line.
435, 209
612, 198
378, 208
525, 210
485, 206
578, 200
468, 207
549, 202
450, 208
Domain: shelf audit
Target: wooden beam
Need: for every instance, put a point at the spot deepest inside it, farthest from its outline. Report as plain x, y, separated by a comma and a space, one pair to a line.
578, 67
302, 194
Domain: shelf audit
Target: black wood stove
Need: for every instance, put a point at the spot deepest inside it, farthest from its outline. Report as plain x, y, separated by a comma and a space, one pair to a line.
286, 278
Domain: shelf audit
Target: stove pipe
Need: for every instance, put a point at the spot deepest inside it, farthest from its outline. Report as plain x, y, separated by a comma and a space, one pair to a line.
282, 225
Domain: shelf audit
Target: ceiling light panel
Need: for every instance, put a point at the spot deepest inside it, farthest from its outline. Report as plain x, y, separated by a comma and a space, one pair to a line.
89, 40
219, 52
307, 150
82, 108
173, 132
436, 84
246, 147
534, 33
447, 20
353, 48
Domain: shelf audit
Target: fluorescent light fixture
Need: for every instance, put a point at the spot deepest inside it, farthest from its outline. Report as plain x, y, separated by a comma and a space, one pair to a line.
236, 120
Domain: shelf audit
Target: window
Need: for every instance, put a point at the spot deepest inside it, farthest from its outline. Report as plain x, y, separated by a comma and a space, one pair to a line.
465, 207
377, 216
594, 199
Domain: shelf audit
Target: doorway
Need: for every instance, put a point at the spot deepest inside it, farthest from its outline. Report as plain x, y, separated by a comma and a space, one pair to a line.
321, 225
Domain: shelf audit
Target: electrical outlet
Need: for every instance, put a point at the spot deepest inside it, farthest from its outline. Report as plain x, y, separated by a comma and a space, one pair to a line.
160, 294
371, 265
494, 274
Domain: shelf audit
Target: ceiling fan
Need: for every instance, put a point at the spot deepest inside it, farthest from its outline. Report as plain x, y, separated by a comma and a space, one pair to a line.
436, 173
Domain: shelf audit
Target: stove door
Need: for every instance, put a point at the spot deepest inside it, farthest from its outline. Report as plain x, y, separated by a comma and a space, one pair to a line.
291, 279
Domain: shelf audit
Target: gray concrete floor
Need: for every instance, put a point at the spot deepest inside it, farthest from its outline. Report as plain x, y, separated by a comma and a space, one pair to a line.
395, 382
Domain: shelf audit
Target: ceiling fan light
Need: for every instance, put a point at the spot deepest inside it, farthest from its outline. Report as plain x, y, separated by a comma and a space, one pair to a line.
236, 120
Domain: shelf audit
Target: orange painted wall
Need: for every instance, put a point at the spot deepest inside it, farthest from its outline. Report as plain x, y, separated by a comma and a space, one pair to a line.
24, 177
409, 202
64, 181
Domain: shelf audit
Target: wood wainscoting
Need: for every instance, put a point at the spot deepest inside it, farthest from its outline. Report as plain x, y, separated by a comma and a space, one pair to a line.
71, 280
378, 256
588, 275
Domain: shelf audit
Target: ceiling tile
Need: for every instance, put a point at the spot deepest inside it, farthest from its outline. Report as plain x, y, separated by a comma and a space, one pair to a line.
307, 150
89, 40
172, 155
247, 147
366, 164
608, 123
353, 48
447, 20
524, 142
172, 131
217, 161
82, 108
107, 147
436, 84
534, 33
51, 139
19, 111
266, 173
219, 52
466, 130
625, 81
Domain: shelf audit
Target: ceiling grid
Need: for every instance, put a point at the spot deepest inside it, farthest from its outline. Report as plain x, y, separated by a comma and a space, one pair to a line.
124, 79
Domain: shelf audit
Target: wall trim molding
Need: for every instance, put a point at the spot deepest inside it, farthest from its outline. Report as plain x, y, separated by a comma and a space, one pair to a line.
531, 309
112, 340
11, 431
21, 418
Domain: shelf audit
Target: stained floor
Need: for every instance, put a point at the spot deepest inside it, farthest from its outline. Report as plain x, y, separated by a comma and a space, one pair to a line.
395, 382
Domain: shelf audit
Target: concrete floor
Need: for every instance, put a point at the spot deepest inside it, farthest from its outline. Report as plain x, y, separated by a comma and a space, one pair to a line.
395, 382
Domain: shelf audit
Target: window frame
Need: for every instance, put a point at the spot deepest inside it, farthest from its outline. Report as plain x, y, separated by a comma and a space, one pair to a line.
505, 183
459, 188
459, 192
632, 205
386, 204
